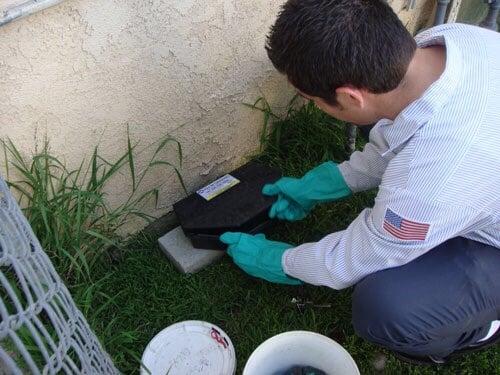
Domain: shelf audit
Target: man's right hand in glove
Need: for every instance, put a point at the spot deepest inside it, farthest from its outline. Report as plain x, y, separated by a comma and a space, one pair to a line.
298, 196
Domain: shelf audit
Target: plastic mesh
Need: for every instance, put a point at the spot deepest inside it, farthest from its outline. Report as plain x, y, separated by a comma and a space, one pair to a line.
41, 329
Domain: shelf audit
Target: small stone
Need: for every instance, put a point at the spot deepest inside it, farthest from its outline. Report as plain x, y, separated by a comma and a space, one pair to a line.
379, 362
177, 247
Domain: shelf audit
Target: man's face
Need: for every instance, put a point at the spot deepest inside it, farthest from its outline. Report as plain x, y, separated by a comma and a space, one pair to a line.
348, 109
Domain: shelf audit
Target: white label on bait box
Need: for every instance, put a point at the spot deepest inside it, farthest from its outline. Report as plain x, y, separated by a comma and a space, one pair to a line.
218, 187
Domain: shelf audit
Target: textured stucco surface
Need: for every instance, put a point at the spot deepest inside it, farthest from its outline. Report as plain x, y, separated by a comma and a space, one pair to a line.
82, 71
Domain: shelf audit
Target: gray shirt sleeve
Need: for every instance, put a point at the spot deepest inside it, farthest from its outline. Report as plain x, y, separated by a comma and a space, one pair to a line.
364, 170
401, 227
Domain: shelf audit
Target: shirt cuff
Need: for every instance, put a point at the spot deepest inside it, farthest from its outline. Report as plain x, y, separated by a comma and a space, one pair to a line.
306, 263
354, 180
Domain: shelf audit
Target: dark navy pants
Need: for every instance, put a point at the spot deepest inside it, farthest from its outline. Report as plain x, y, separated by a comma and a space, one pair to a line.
440, 302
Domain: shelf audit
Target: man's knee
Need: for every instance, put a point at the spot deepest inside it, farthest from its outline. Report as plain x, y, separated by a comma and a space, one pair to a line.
381, 311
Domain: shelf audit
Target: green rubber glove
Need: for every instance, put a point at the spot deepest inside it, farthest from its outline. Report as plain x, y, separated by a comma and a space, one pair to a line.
258, 256
298, 196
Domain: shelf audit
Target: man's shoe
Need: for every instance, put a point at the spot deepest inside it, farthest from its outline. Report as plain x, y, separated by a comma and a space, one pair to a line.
417, 360
433, 360
493, 340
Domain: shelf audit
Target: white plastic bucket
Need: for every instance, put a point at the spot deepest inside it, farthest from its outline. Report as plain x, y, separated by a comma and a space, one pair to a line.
189, 348
302, 348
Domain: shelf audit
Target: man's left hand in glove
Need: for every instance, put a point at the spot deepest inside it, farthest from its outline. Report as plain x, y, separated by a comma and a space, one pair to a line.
258, 256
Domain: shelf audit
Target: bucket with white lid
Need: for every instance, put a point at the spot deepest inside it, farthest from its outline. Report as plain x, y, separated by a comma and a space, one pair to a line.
300, 348
191, 347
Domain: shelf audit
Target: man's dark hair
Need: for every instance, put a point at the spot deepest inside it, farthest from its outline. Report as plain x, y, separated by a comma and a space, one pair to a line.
325, 44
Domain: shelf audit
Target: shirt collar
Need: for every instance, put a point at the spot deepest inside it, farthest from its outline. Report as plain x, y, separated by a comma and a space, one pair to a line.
419, 112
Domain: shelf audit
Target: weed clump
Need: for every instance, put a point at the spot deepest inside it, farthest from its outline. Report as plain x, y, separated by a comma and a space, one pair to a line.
68, 209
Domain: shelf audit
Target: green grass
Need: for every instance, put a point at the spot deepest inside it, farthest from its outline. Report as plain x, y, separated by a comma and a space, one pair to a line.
153, 295
137, 293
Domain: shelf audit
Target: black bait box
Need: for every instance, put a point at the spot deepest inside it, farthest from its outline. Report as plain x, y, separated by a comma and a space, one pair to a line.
233, 202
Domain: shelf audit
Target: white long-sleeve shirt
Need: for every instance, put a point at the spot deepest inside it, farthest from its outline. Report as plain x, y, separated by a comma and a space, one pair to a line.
437, 166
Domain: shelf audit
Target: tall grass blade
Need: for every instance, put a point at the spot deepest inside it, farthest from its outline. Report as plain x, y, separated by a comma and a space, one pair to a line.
174, 168
130, 153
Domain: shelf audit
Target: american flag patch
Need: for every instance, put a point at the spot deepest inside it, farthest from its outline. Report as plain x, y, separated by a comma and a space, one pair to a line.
404, 229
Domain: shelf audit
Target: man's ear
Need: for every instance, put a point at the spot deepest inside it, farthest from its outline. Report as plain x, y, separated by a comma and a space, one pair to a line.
349, 97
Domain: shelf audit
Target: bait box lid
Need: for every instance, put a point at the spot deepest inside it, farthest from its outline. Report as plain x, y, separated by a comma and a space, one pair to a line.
234, 202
